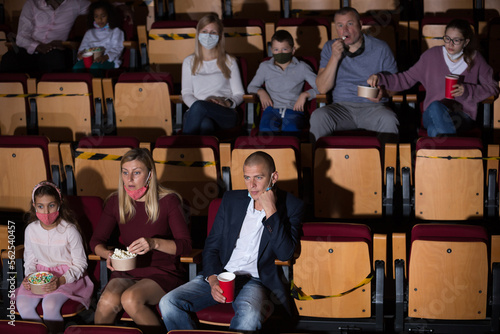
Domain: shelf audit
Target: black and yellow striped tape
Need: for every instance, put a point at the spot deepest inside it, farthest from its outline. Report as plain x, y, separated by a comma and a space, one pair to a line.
171, 37
432, 37
113, 157
457, 158
297, 292
42, 95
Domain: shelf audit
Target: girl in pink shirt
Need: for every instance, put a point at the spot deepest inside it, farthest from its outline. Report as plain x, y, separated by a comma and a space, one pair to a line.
53, 244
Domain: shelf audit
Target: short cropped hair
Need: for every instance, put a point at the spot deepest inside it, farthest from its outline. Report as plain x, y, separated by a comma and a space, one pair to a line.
346, 10
260, 157
283, 36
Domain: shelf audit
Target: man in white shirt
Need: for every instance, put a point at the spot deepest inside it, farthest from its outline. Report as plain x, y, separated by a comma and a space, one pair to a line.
252, 229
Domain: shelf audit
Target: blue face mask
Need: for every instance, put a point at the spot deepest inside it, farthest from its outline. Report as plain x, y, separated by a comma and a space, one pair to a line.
97, 26
208, 41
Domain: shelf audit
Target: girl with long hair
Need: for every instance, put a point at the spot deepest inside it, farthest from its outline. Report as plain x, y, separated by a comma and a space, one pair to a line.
458, 56
53, 245
211, 82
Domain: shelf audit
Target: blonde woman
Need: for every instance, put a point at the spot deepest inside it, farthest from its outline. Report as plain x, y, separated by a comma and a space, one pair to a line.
211, 82
151, 224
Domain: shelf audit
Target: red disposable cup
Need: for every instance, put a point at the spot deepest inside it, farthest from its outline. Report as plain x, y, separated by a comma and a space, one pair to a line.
88, 59
226, 282
451, 80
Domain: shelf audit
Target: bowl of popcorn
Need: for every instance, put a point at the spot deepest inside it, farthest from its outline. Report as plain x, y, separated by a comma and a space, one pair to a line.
123, 260
97, 51
38, 281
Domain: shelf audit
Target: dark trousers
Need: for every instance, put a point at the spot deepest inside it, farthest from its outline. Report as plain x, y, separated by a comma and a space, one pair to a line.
23, 62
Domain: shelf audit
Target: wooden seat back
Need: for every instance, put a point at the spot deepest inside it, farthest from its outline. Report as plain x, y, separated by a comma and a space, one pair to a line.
21, 169
196, 9
98, 177
448, 280
329, 268
143, 110
347, 183
168, 52
13, 117
198, 184
64, 118
448, 189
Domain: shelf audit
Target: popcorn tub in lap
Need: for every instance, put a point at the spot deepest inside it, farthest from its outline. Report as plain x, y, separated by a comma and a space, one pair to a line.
38, 280
123, 260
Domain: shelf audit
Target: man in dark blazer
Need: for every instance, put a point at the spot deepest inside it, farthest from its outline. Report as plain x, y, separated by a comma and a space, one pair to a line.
251, 230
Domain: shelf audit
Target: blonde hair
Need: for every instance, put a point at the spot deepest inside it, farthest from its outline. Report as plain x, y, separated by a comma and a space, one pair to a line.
155, 191
222, 56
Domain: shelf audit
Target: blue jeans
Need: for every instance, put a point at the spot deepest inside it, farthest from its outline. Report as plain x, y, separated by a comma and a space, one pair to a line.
273, 121
204, 118
251, 305
439, 120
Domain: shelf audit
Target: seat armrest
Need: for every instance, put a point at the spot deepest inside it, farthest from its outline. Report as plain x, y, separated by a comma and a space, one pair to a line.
380, 250
69, 167
192, 260
321, 99
55, 163
109, 98
495, 249
398, 250
225, 164
142, 37
177, 100
250, 100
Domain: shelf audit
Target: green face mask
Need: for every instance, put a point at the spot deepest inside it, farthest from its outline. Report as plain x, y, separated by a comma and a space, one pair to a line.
282, 58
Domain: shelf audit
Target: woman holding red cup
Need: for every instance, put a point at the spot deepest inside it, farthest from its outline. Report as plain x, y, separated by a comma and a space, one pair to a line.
447, 112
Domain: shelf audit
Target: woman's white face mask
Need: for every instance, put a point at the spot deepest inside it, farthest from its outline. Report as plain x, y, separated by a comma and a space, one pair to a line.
209, 41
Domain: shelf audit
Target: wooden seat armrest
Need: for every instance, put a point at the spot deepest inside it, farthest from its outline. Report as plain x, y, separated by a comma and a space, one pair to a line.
493, 151
495, 249
94, 257
71, 45
194, 257
405, 158
398, 250
142, 36
283, 263
176, 99
398, 98
130, 44
67, 156
380, 250
390, 158
250, 98
225, 154
411, 98
488, 100
18, 253
107, 88
31, 85
321, 98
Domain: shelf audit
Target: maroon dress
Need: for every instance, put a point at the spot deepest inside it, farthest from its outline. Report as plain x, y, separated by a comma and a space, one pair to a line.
163, 268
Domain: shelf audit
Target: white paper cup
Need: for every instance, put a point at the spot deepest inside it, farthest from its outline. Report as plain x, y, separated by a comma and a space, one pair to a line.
38, 289
369, 92
124, 264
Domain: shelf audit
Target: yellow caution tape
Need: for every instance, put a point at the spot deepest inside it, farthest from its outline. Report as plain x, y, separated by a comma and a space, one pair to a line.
112, 157
42, 95
297, 292
170, 37
457, 158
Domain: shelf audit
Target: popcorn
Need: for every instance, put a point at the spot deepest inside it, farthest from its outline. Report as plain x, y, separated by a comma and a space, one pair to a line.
120, 254
41, 277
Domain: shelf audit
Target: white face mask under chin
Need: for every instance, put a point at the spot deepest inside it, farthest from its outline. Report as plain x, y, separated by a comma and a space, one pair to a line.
208, 41
456, 55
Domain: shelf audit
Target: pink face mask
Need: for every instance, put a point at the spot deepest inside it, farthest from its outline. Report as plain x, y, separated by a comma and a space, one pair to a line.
138, 193
48, 218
